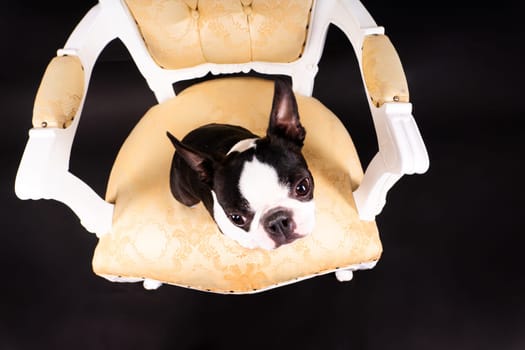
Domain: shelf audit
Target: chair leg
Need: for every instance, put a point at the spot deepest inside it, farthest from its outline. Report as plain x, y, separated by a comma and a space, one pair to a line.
344, 275
150, 284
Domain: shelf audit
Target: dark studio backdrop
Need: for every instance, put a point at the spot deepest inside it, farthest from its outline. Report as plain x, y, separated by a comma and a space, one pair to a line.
451, 275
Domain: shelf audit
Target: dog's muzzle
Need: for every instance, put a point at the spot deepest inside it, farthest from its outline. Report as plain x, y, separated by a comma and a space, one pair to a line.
280, 226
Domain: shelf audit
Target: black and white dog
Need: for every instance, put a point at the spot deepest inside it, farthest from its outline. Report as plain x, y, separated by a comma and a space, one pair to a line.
258, 190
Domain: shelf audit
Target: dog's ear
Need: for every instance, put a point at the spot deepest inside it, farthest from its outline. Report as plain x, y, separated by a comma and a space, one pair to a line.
201, 163
284, 117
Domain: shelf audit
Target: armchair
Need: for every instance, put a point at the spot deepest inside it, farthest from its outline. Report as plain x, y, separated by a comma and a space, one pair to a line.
144, 235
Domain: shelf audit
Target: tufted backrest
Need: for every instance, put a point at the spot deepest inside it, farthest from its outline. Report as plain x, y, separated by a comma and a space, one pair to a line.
186, 33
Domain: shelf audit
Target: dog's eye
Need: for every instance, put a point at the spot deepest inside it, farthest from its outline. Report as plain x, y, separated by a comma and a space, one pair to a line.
303, 187
237, 219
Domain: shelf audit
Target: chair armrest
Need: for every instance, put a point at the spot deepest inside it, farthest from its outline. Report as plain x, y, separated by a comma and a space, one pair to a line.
382, 71
401, 148
60, 93
43, 172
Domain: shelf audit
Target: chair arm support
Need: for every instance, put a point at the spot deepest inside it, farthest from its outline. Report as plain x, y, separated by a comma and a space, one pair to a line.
401, 148
401, 151
43, 172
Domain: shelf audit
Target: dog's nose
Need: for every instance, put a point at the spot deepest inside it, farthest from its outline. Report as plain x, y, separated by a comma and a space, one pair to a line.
280, 226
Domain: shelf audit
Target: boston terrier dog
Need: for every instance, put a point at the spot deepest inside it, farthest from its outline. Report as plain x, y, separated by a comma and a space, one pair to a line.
258, 190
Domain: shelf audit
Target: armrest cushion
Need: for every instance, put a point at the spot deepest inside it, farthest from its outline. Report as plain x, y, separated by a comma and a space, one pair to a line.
382, 70
180, 34
155, 237
60, 93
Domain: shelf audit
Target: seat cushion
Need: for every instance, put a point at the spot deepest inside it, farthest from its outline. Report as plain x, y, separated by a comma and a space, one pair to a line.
155, 237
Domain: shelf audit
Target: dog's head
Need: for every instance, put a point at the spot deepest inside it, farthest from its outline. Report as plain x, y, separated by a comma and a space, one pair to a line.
262, 189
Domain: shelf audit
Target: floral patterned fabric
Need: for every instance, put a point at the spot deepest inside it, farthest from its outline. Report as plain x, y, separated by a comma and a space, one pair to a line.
382, 71
60, 93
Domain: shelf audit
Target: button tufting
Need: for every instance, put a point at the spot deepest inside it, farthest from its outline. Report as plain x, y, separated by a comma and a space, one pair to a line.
192, 4
195, 14
247, 7
247, 10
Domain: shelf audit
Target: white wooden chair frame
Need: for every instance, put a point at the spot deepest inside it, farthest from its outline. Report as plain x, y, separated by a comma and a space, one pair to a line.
44, 168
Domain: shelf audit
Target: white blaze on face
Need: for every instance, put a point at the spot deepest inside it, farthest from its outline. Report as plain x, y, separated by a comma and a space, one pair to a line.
259, 185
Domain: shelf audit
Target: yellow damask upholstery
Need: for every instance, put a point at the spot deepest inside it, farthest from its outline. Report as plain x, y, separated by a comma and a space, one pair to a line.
382, 70
185, 33
155, 237
60, 93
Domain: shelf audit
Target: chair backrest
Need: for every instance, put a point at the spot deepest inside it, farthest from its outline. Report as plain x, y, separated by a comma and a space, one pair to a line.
174, 40
186, 33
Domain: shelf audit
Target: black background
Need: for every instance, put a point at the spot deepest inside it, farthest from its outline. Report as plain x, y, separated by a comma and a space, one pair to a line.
451, 276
